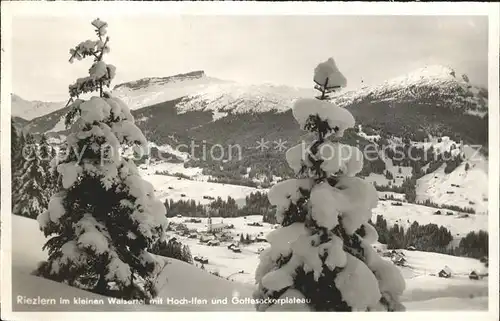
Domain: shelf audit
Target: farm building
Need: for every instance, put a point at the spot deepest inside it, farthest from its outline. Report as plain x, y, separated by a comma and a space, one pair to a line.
260, 239
213, 243
205, 239
473, 275
445, 272
201, 259
398, 260
233, 247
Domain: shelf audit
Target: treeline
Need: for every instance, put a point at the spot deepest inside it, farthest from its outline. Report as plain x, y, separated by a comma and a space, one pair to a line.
474, 244
172, 249
253, 169
408, 188
457, 208
430, 238
256, 203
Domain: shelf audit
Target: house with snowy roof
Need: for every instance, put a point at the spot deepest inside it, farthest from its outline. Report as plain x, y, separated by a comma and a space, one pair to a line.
445, 272
398, 260
473, 275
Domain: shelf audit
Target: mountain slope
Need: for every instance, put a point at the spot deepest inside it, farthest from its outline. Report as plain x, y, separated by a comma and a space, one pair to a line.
466, 186
431, 100
151, 91
204, 111
436, 85
29, 110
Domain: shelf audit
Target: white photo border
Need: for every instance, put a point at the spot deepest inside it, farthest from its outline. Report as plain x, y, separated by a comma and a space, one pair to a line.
124, 8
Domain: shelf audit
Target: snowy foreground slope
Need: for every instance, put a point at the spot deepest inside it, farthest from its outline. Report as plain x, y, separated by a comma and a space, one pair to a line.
180, 280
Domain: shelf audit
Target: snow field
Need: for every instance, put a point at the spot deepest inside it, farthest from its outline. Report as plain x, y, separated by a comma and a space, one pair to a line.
423, 292
196, 190
459, 226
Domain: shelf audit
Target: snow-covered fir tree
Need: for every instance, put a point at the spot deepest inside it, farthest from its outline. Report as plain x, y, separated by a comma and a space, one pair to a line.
323, 252
14, 147
47, 156
31, 197
104, 216
17, 162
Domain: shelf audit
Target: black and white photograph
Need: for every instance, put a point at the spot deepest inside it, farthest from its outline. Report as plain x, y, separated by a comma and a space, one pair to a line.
229, 161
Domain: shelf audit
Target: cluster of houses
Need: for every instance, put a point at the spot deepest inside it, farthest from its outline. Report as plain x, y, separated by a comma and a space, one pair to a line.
215, 233
473, 275
399, 259
438, 212
255, 224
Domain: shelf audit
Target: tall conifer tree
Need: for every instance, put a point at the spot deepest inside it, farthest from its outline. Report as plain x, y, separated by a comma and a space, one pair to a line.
105, 216
323, 252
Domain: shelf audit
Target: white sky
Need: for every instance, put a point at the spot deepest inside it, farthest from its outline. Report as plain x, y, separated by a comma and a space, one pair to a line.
253, 49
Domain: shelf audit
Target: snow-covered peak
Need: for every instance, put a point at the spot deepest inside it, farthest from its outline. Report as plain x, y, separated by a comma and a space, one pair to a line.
32, 109
201, 92
435, 85
432, 73
150, 91
145, 82
241, 98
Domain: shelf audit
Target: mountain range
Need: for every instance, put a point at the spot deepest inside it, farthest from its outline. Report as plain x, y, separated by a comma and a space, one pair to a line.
425, 104
431, 100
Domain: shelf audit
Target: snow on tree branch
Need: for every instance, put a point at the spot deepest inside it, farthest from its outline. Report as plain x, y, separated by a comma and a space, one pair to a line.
100, 73
328, 76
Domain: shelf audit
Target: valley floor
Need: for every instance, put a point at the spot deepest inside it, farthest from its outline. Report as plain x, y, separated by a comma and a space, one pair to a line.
180, 281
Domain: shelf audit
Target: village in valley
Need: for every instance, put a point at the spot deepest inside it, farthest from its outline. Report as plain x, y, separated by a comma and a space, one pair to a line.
225, 246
